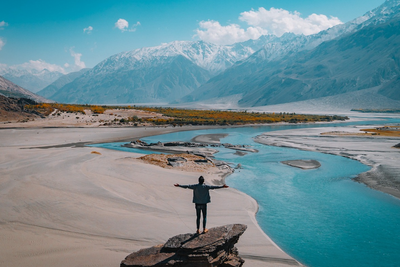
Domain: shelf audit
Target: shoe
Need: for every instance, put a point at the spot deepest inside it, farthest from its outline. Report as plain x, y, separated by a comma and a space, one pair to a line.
198, 232
205, 231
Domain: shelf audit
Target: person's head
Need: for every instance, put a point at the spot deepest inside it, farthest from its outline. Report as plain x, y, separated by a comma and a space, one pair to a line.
201, 180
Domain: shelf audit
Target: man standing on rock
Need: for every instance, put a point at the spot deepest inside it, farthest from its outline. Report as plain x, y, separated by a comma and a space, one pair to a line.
201, 197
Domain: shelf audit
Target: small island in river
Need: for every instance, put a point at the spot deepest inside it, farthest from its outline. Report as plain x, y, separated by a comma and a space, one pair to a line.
303, 164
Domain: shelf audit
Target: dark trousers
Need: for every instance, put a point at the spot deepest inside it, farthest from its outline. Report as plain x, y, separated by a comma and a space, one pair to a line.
201, 208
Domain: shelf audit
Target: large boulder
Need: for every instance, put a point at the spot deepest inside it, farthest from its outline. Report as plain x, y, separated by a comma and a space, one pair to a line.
214, 248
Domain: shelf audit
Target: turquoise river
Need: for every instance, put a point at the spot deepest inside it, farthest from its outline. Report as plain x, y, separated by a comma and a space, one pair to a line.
320, 217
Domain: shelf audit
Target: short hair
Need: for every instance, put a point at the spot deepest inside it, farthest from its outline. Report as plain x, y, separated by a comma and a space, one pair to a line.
201, 180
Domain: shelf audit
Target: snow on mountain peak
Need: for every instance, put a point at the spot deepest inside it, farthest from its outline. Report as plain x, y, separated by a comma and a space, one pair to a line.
212, 57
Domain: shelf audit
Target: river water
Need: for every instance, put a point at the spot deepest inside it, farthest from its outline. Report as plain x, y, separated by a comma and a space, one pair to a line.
320, 217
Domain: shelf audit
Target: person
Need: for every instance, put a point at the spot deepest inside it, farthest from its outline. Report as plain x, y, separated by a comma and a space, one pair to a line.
201, 197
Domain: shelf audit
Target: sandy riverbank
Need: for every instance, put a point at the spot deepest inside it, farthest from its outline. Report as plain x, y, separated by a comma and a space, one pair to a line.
62, 205
375, 151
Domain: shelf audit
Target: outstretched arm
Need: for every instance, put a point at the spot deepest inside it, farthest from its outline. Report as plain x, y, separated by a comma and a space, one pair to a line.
218, 186
183, 186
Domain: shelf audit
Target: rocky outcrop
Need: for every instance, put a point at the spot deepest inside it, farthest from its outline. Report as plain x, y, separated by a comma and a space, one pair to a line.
214, 248
176, 161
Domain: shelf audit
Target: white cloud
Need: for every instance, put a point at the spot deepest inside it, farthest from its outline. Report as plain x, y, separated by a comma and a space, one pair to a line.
88, 30
77, 58
280, 21
212, 31
2, 43
261, 22
35, 66
3, 66
123, 25
40, 65
3, 24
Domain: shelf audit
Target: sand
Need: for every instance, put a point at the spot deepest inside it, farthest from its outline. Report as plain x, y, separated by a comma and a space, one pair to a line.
376, 151
64, 204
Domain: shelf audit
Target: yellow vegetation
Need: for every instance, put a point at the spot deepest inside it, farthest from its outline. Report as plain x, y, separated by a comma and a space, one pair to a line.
179, 117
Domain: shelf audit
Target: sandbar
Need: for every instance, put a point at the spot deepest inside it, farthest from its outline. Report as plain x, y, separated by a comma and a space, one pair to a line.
303, 164
209, 138
376, 151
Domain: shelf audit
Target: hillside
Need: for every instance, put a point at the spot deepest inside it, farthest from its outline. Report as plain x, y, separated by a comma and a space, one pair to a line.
51, 89
12, 109
9, 89
165, 79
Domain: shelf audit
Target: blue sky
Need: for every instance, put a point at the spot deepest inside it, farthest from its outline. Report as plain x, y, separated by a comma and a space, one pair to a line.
73, 34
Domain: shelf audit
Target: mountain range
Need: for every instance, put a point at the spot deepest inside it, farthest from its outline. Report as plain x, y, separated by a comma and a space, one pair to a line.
30, 78
154, 74
359, 56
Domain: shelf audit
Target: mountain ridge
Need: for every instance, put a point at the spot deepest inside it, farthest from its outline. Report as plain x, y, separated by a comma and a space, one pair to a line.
9, 89
251, 77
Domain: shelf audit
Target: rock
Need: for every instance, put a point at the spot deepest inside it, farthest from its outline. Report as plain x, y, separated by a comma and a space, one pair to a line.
397, 146
203, 162
176, 161
240, 153
239, 166
215, 248
139, 142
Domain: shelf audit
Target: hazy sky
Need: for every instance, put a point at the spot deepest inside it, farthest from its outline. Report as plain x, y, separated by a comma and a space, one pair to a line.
73, 34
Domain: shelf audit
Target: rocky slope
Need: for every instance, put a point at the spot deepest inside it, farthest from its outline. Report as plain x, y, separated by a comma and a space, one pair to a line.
7, 88
12, 109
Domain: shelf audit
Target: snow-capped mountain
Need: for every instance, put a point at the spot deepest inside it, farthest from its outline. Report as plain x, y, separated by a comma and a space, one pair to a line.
265, 71
154, 74
161, 79
278, 47
291, 67
30, 78
211, 57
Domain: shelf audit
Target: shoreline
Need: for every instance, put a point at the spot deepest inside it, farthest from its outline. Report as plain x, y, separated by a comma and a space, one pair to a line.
378, 154
51, 185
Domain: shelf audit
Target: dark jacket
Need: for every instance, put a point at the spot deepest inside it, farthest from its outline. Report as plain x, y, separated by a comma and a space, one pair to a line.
201, 193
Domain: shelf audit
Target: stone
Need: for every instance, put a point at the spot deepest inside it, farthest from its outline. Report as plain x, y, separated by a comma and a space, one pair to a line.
176, 161
212, 249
